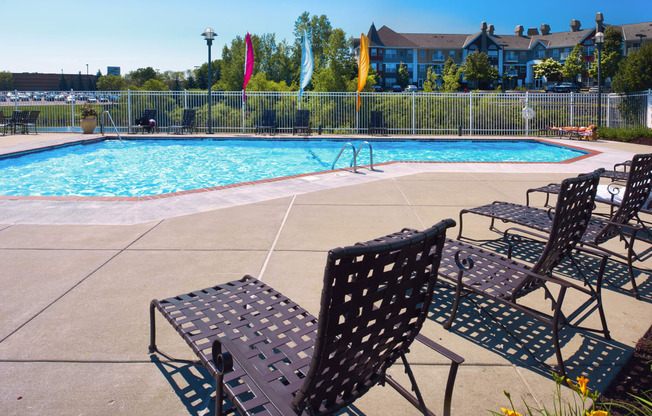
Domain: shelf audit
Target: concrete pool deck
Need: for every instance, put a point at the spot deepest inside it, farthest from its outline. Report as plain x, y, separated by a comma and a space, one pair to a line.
77, 278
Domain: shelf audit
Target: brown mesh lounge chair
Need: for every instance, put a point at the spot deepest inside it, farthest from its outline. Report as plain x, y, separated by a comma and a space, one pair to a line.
302, 122
476, 271
270, 355
268, 124
4, 123
377, 123
624, 223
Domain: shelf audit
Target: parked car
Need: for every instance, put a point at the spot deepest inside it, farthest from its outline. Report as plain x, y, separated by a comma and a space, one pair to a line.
91, 98
377, 88
411, 88
550, 88
397, 88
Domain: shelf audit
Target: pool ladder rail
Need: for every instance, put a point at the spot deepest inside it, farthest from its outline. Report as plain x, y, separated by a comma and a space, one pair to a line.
355, 155
111, 119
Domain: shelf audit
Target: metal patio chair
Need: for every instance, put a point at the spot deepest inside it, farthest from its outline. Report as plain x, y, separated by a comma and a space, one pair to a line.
187, 122
625, 223
268, 123
474, 270
29, 120
270, 356
302, 122
144, 124
377, 123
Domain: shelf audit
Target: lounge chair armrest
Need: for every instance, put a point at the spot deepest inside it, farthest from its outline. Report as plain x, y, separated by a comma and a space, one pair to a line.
255, 374
456, 359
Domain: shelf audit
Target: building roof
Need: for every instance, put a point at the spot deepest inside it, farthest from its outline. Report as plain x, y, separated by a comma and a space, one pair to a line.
631, 30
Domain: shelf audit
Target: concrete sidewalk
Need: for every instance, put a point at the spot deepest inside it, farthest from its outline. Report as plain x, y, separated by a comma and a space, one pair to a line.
75, 291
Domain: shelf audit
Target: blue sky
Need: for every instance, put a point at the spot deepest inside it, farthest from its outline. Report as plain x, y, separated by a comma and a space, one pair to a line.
50, 36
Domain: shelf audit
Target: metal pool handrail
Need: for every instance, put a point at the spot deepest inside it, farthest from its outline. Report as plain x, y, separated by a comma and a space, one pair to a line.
355, 163
111, 119
371, 153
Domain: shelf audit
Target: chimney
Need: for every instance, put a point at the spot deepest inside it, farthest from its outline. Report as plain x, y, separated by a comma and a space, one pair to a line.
518, 31
575, 25
545, 29
490, 30
532, 31
484, 27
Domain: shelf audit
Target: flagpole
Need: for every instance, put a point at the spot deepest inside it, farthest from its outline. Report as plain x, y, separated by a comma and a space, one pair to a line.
243, 112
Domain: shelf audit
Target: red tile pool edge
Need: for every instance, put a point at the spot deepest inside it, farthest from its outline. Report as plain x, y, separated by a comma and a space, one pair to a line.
590, 153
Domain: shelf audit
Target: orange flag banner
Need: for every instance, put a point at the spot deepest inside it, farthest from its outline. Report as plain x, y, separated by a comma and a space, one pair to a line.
363, 66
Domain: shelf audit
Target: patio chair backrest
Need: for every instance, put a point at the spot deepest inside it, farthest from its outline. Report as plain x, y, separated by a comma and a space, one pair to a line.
150, 114
376, 119
188, 118
375, 299
18, 116
269, 117
33, 116
572, 213
303, 118
637, 191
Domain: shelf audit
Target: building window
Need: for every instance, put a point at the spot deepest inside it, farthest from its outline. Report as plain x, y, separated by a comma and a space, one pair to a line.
390, 68
511, 56
589, 50
374, 52
410, 54
422, 54
390, 53
540, 53
451, 54
493, 51
437, 56
555, 53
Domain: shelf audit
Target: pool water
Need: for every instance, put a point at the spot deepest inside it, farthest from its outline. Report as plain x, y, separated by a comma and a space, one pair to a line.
152, 167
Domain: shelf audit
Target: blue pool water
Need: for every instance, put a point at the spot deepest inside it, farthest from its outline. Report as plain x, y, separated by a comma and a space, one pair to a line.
152, 167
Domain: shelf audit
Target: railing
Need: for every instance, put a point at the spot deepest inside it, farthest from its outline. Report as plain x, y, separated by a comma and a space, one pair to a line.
474, 113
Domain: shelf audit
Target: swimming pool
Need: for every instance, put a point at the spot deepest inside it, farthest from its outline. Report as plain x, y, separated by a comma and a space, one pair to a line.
136, 168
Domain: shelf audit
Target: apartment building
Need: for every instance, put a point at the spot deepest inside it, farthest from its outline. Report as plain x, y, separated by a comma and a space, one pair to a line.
513, 55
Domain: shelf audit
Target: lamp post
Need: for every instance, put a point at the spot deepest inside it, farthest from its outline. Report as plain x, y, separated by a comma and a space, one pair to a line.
599, 40
209, 35
640, 36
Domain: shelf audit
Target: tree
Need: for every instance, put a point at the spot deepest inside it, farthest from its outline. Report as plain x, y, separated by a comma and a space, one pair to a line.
201, 74
111, 83
63, 85
551, 69
635, 74
139, 76
477, 67
611, 55
402, 75
6, 81
319, 30
451, 76
154, 85
575, 65
432, 81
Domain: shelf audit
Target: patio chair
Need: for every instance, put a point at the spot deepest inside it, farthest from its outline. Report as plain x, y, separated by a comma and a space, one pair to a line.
302, 122
144, 123
269, 354
377, 124
625, 223
268, 123
17, 119
29, 120
187, 122
474, 270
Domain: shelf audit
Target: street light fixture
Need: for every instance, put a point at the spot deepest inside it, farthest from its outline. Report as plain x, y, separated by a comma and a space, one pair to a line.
599, 40
209, 35
640, 36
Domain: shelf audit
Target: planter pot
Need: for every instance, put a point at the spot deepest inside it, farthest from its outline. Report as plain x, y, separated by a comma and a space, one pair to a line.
88, 124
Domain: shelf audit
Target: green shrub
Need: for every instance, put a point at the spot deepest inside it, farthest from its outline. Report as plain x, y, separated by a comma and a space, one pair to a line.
623, 134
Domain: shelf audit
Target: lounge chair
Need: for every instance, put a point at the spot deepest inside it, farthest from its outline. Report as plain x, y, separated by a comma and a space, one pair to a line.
144, 123
187, 122
474, 270
269, 354
377, 124
302, 122
17, 119
30, 121
624, 223
268, 123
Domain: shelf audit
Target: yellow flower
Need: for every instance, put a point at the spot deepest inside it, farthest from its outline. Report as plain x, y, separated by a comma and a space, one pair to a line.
582, 381
509, 412
598, 413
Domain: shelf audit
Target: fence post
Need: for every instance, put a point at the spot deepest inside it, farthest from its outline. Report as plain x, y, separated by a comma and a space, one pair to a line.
608, 110
72, 110
572, 107
527, 120
129, 124
185, 99
243, 112
413, 113
471, 113
648, 120
15, 100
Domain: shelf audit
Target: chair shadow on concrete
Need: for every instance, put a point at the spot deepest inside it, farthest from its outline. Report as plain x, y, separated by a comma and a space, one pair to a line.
195, 388
524, 342
616, 274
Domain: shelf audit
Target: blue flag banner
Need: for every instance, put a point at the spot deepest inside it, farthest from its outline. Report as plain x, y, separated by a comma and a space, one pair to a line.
306, 64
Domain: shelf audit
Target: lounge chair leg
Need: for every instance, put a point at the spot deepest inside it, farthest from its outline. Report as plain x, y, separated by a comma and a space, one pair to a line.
459, 234
152, 328
458, 296
603, 319
555, 331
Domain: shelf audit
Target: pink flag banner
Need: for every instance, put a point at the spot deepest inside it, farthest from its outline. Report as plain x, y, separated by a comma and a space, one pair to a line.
249, 65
